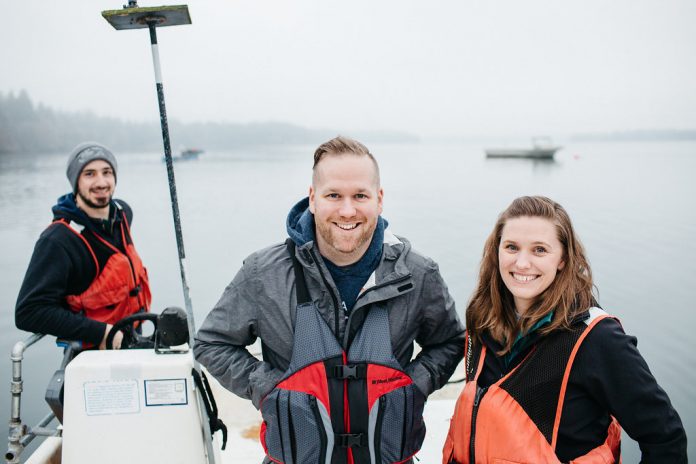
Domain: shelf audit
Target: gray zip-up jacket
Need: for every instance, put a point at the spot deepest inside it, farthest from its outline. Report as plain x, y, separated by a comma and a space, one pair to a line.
261, 303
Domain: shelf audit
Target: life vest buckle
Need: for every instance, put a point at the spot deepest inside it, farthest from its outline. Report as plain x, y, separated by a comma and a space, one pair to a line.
350, 440
135, 291
349, 371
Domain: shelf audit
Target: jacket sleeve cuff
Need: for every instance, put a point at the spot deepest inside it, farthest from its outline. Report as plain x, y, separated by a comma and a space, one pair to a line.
261, 381
97, 331
421, 377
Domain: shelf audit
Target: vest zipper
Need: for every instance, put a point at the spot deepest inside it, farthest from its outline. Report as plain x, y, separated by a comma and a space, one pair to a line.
328, 288
406, 426
320, 424
472, 436
378, 430
293, 439
280, 433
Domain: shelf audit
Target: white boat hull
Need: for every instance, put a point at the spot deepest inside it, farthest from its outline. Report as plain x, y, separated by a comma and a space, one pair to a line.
135, 402
535, 153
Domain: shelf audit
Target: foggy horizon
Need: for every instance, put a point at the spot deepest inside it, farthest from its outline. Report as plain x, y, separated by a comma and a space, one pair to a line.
444, 69
689, 132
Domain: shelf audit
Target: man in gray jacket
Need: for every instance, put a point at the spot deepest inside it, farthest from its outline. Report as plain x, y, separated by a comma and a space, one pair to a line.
337, 308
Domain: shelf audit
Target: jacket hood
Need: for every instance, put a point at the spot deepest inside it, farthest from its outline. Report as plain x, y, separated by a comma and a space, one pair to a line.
67, 209
300, 223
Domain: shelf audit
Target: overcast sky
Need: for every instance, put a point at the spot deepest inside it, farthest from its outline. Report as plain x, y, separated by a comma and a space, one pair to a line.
427, 67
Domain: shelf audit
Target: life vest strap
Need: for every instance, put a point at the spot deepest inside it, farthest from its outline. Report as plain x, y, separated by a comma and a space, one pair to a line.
300, 283
350, 440
214, 422
347, 371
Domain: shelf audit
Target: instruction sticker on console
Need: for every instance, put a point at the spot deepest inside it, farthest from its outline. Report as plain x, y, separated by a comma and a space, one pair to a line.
166, 392
111, 397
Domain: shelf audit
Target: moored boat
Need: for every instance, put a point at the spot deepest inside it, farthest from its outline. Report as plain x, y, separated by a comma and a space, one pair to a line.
186, 154
542, 148
190, 153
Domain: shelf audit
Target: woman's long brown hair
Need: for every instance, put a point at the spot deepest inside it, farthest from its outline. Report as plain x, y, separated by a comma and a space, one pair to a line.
492, 306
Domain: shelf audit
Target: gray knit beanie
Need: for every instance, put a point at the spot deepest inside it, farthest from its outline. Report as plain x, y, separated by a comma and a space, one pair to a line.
83, 154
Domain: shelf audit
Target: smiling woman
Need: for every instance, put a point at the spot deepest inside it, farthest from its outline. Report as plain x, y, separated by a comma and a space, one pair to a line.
550, 376
530, 255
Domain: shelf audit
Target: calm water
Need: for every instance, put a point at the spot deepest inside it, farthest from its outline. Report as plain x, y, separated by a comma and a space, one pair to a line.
634, 206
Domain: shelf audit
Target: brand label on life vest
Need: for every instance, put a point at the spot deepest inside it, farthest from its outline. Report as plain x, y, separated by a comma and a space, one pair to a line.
387, 380
111, 397
166, 392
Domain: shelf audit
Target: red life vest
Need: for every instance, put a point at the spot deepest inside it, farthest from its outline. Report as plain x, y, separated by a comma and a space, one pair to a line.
336, 406
504, 422
120, 288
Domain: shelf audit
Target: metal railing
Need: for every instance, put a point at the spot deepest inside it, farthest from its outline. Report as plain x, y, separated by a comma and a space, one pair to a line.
20, 434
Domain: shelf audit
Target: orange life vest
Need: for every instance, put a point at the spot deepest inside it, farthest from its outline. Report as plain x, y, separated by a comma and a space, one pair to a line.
118, 290
504, 423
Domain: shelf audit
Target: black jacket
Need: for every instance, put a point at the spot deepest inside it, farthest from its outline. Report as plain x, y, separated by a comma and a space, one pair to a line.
609, 376
62, 265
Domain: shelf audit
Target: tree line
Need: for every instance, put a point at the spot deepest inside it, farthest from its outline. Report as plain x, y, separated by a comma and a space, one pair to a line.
26, 127
29, 128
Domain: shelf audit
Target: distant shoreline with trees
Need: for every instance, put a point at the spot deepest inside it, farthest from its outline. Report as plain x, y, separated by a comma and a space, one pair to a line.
26, 127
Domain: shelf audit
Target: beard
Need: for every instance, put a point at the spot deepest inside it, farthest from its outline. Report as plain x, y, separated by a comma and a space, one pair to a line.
99, 204
346, 247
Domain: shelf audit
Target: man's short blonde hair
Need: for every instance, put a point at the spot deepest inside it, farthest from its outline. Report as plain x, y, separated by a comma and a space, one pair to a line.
341, 145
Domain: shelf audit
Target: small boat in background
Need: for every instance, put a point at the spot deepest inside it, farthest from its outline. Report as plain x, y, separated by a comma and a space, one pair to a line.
186, 154
190, 153
542, 148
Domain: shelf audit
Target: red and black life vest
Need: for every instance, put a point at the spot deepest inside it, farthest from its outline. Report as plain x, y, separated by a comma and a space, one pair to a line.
336, 406
121, 287
516, 419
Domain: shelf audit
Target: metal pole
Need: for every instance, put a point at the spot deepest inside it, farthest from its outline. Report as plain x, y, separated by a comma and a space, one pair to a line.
170, 173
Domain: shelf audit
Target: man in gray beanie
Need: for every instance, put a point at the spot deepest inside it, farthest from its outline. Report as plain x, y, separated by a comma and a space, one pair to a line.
85, 153
85, 273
